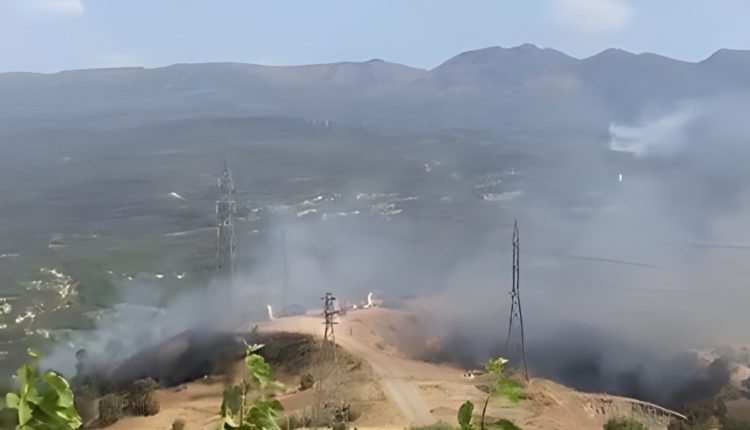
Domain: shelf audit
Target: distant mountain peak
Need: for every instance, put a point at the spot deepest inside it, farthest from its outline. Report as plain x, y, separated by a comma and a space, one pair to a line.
726, 55
622, 58
498, 54
611, 53
526, 47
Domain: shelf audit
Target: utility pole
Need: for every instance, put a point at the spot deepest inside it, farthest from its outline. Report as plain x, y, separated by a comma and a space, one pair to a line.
285, 275
329, 313
226, 207
514, 346
326, 365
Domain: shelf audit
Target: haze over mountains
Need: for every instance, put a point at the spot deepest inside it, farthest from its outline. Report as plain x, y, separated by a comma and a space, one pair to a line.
492, 88
627, 172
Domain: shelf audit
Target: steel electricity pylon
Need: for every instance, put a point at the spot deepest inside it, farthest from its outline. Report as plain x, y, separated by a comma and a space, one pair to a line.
329, 313
226, 207
515, 347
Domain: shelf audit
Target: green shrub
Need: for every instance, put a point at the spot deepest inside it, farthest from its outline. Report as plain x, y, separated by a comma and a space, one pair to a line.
509, 388
437, 426
504, 424
623, 424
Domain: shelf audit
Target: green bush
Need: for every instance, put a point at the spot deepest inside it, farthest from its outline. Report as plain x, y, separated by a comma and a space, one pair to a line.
509, 388
437, 426
623, 424
503, 424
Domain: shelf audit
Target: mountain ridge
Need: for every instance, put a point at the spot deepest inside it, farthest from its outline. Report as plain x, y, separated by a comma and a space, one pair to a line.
489, 88
523, 46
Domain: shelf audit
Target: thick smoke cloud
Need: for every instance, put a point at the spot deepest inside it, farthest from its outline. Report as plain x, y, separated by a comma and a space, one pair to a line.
666, 259
395, 258
618, 277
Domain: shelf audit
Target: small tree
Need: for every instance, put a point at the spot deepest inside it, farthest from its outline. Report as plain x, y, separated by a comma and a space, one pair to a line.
502, 385
44, 400
251, 404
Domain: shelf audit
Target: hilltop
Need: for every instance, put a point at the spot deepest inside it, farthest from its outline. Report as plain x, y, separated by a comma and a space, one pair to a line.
390, 389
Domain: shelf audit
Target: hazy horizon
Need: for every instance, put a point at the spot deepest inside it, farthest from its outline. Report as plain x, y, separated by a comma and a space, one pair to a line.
54, 35
347, 61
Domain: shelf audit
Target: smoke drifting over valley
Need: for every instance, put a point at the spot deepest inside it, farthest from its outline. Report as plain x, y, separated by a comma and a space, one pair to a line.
632, 205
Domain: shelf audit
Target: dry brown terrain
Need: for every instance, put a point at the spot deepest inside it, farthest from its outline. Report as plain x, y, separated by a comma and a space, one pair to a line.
393, 390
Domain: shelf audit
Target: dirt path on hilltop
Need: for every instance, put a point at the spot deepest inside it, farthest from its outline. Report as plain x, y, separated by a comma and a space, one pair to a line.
395, 382
396, 391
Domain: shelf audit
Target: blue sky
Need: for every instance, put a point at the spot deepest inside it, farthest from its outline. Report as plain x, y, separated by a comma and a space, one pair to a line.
52, 35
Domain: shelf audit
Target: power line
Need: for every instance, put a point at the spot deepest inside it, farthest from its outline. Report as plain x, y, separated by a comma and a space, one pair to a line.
285, 274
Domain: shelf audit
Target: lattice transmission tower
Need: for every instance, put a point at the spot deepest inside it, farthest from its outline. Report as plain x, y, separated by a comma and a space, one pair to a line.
226, 207
325, 369
329, 313
515, 347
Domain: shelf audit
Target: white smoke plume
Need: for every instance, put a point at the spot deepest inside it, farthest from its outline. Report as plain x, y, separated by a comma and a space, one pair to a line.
661, 136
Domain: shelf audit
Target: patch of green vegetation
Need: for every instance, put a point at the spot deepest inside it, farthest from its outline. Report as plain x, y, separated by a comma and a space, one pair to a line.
624, 424
508, 388
437, 426
464, 416
504, 424
733, 424
44, 401
252, 405
503, 386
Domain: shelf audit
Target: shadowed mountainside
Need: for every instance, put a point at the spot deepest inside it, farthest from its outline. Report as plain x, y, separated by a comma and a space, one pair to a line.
496, 88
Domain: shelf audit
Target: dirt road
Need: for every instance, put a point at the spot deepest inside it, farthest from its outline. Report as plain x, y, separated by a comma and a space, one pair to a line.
395, 381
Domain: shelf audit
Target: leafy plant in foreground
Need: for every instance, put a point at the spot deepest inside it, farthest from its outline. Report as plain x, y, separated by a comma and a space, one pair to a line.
44, 401
464, 415
502, 385
251, 404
